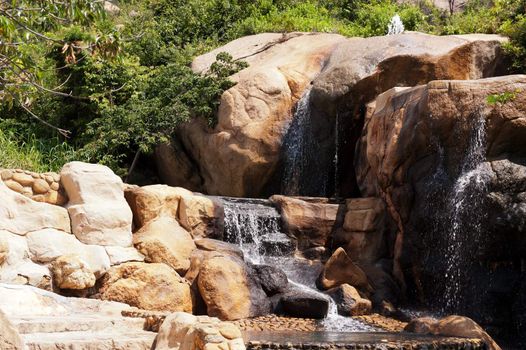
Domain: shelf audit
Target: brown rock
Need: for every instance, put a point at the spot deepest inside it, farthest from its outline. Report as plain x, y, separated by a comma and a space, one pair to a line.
452, 326
71, 272
165, 241
15, 186
147, 286
214, 245
23, 179
228, 289
202, 216
349, 301
150, 202
6, 174
40, 186
310, 222
340, 269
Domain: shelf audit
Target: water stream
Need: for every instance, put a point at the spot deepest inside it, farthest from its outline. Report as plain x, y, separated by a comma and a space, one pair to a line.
255, 226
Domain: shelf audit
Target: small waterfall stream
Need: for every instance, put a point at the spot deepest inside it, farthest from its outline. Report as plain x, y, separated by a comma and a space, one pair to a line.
255, 226
465, 221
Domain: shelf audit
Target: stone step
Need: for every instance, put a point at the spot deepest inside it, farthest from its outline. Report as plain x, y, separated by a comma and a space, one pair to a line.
70, 323
88, 340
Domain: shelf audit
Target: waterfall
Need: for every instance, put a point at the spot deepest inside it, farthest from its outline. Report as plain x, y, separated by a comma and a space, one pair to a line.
395, 26
255, 226
465, 217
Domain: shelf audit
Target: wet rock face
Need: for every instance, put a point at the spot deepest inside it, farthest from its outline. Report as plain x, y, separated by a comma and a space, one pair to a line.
241, 155
302, 303
450, 167
272, 279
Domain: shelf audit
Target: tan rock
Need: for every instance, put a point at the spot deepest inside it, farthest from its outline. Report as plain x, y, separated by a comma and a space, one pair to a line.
310, 222
119, 255
55, 197
6, 174
452, 326
181, 331
9, 337
150, 202
239, 156
147, 286
20, 215
202, 216
229, 291
40, 186
71, 272
23, 179
54, 186
164, 241
16, 266
15, 186
47, 245
340, 269
99, 213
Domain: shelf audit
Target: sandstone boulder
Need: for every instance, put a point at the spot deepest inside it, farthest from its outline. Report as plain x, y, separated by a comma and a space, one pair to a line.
164, 241
238, 157
147, 286
97, 208
71, 272
241, 155
349, 301
119, 255
311, 222
214, 245
453, 326
20, 215
47, 245
340, 269
202, 216
9, 337
229, 289
17, 267
182, 331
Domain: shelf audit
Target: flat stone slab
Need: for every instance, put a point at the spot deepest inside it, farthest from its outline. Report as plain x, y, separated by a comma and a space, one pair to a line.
264, 340
87, 340
72, 323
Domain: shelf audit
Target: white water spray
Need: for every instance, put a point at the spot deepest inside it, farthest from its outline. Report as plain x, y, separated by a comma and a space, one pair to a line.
395, 26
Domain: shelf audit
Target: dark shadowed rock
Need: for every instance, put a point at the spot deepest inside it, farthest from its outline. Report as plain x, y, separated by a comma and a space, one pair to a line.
303, 303
272, 279
349, 301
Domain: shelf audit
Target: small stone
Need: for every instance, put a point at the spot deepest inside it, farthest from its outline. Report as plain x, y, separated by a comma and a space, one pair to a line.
39, 198
23, 179
35, 175
27, 172
229, 331
54, 186
27, 191
40, 186
48, 178
6, 174
15, 186
56, 177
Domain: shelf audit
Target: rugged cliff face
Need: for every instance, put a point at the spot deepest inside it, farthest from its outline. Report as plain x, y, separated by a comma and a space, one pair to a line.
448, 159
245, 154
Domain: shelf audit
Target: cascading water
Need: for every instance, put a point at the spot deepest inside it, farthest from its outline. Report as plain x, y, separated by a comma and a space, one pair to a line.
255, 225
395, 26
466, 200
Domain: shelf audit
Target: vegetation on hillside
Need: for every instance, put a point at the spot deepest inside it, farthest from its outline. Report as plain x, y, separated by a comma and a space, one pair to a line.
108, 87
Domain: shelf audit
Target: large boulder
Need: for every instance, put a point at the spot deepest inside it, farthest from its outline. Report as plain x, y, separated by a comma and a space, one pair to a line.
200, 215
230, 290
97, 208
430, 150
16, 265
271, 278
241, 155
9, 337
451, 326
47, 245
71, 272
147, 286
20, 215
311, 221
303, 303
182, 331
340, 269
164, 241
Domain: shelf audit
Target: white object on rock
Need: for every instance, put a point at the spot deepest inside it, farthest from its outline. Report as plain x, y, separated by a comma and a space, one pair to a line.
97, 208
